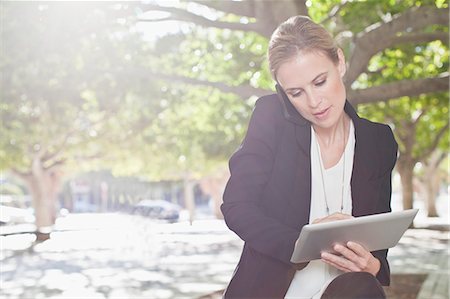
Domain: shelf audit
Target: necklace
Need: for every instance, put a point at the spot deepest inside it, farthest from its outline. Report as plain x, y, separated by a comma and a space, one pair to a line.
321, 175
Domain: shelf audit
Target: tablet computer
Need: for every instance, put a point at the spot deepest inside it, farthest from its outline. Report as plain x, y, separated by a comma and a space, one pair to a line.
374, 232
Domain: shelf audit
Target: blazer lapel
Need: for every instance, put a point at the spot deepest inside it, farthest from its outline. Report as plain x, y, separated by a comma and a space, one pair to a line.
363, 166
362, 196
302, 203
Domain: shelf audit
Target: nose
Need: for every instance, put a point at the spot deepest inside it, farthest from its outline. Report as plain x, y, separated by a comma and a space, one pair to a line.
314, 99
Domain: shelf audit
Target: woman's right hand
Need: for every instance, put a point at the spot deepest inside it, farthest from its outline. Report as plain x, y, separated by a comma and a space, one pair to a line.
353, 257
333, 217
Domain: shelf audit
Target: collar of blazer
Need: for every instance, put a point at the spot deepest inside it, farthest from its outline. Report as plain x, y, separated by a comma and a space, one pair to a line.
365, 158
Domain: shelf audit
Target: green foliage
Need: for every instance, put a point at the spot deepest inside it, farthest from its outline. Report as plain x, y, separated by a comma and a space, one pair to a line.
85, 84
198, 130
68, 91
411, 62
358, 15
407, 62
232, 57
402, 114
9, 188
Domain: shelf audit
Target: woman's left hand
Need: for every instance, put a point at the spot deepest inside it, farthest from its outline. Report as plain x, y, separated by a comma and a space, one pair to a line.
354, 258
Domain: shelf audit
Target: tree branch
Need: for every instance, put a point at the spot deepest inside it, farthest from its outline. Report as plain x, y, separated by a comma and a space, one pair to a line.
244, 91
59, 147
183, 15
55, 164
383, 92
334, 11
440, 158
384, 35
156, 20
21, 174
242, 8
302, 9
422, 37
422, 114
435, 142
90, 157
398, 89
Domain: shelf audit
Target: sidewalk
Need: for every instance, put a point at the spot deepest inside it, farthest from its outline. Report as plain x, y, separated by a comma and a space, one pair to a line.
119, 256
123, 256
421, 257
419, 266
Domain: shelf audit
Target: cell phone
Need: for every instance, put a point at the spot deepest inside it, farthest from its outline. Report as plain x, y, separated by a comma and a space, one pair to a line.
289, 110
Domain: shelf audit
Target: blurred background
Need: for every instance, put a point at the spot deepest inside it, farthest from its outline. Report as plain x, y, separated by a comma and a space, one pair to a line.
118, 120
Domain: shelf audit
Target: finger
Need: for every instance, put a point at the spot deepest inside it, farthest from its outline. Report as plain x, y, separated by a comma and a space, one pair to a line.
336, 266
340, 262
338, 215
333, 217
317, 220
347, 253
362, 252
358, 248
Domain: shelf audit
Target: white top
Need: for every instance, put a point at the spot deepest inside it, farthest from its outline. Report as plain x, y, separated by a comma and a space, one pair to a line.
310, 282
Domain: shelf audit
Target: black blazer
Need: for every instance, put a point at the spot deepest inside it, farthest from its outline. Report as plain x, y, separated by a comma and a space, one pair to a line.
267, 198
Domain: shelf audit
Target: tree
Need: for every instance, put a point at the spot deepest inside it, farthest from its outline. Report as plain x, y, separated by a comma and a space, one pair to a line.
65, 96
419, 123
365, 29
397, 54
187, 140
419, 126
430, 179
87, 86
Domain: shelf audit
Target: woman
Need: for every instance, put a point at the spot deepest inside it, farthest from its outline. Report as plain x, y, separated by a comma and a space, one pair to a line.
307, 157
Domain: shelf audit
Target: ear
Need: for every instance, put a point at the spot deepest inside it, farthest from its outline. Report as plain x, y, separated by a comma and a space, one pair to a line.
341, 64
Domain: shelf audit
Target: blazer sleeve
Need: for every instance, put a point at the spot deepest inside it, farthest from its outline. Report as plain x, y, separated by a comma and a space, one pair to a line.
388, 152
251, 168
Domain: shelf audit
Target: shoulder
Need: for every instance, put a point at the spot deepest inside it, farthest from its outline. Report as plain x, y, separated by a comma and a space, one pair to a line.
266, 123
381, 140
267, 112
269, 104
382, 132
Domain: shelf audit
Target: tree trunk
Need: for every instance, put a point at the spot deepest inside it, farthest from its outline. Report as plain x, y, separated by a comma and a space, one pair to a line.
189, 198
431, 180
428, 192
104, 188
214, 187
406, 171
44, 185
432, 187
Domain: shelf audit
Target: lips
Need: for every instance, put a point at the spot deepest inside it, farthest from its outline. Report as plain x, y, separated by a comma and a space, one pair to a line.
321, 113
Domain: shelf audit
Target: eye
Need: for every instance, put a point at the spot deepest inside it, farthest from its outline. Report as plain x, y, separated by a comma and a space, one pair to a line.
296, 94
321, 82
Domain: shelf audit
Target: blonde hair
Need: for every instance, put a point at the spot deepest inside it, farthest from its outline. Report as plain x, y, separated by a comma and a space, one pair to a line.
299, 34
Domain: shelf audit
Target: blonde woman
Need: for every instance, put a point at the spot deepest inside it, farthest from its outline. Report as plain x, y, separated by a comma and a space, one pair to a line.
307, 157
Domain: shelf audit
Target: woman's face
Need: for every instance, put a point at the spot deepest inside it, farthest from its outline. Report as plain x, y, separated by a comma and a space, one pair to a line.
313, 84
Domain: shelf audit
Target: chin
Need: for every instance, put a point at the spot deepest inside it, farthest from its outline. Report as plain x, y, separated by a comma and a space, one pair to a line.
325, 124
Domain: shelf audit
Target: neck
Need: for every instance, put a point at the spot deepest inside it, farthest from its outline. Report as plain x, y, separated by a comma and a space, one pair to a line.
334, 134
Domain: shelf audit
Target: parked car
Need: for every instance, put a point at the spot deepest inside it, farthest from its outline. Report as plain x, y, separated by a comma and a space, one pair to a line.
157, 209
